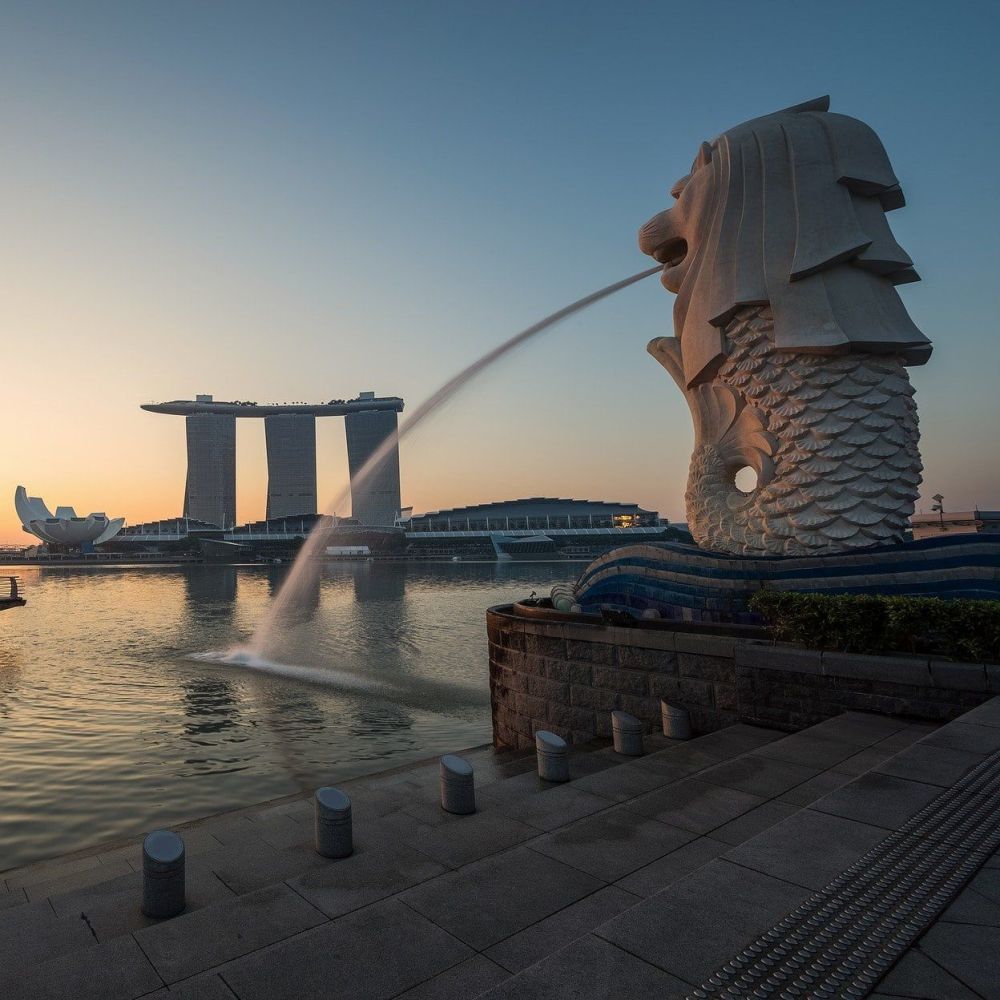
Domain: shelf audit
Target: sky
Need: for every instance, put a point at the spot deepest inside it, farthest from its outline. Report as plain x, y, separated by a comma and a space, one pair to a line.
301, 201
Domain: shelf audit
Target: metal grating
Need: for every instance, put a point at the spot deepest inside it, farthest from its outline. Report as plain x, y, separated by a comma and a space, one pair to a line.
843, 939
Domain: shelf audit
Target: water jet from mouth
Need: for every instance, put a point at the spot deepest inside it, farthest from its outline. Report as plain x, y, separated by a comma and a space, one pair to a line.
265, 640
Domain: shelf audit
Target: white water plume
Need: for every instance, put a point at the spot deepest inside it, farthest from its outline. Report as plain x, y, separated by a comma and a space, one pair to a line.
416, 691
265, 640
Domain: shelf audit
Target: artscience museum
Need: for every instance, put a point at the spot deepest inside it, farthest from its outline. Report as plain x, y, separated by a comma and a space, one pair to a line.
64, 527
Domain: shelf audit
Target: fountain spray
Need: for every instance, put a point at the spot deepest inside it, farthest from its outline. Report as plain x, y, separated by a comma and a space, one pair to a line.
308, 561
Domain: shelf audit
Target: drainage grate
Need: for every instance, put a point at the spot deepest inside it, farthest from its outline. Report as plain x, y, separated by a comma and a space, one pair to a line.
843, 939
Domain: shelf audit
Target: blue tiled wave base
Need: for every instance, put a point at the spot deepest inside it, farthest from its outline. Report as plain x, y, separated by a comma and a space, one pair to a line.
691, 584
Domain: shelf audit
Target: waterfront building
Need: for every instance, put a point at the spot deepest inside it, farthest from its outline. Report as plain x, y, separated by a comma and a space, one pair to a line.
291, 464
375, 500
65, 527
536, 514
290, 434
535, 528
210, 487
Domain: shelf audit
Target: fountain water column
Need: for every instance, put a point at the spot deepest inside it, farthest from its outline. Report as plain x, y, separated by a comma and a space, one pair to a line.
162, 874
334, 833
553, 756
458, 790
311, 552
627, 732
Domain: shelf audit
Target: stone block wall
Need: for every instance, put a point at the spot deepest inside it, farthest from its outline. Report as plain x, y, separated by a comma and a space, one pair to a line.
567, 677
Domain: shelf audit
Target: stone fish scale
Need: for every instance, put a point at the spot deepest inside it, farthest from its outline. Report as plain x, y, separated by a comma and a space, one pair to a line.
846, 466
844, 938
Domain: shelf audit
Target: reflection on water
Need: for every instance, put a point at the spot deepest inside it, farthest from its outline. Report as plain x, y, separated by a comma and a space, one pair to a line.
99, 694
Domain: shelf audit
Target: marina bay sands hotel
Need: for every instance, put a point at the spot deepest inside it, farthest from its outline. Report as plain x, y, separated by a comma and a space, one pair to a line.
290, 435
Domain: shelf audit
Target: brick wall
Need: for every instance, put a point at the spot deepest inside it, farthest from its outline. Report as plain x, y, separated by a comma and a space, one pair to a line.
566, 676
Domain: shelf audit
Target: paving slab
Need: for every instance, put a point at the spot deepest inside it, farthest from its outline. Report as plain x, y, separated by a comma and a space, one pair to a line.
697, 924
808, 848
878, 799
754, 822
371, 873
676, 764
866, 760
253, 864
32, 934
915, 975
672, 867
758, 775
549, 935
591, 969
467, 979
205, 987
695, 805
46, 871
971, 954
960, 735
126, 891
79, 879
932, 765
460, 840
117, 970
859, 727
987, 714
733, 740
971, 907
12, 897
194, 942
612, 843
375, 953
623, 782
545, 808
987, 883
820, 752
490, 900
815, 788
113, 908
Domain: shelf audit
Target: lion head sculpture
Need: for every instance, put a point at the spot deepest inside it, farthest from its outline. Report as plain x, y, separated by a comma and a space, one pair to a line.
787, 210
791, 342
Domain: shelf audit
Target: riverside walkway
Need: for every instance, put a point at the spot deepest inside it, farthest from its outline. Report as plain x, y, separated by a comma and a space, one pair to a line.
856, 856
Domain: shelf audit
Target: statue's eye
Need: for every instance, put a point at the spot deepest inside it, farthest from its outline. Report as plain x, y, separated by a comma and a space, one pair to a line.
675, 191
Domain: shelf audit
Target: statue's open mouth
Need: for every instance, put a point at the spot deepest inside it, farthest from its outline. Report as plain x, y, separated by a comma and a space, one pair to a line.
671, 253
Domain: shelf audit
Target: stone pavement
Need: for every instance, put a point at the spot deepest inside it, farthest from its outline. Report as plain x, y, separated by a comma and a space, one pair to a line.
641, 876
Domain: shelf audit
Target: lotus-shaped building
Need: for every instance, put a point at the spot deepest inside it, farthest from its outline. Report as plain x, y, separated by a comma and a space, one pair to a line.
63, 527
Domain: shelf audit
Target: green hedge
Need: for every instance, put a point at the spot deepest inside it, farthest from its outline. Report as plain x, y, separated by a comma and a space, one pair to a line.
871, 623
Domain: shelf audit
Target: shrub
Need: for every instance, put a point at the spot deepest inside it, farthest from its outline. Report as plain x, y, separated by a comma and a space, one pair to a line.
872, 623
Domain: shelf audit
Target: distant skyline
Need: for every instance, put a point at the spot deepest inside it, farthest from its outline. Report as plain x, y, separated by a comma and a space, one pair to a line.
302, 201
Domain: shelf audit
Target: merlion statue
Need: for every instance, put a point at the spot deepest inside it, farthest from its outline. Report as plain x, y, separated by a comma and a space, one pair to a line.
791, 343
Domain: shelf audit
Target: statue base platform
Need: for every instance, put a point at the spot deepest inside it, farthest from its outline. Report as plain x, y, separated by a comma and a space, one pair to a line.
686, 583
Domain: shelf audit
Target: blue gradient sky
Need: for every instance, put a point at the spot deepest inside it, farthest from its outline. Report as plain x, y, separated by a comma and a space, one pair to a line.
301, 201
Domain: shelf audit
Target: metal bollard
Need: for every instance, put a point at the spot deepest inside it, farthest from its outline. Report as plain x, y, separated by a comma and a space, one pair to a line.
553, 757
458, 789
162, 874
334, 837
676, 721
627, 731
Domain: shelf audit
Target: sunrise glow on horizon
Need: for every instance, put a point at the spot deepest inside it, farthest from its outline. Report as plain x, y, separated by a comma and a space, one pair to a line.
224, 199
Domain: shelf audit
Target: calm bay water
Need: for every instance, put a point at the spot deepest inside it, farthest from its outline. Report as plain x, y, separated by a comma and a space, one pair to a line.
109, 726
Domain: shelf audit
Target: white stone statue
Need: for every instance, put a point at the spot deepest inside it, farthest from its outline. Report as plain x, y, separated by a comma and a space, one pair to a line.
791, 342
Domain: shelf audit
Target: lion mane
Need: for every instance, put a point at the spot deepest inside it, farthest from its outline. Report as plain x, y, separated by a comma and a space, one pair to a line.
787, 211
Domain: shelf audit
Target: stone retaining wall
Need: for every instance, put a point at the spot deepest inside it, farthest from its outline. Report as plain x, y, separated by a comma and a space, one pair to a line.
565, 676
